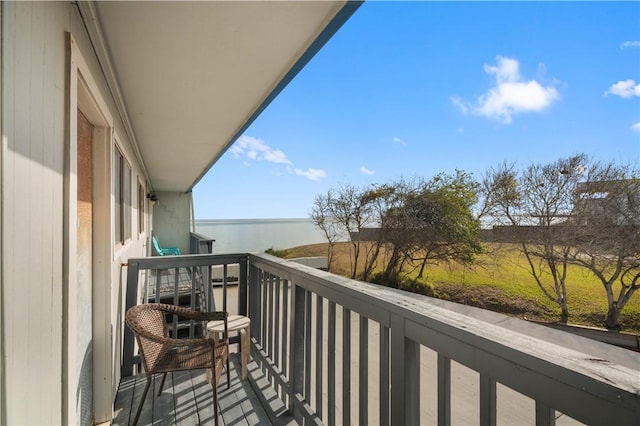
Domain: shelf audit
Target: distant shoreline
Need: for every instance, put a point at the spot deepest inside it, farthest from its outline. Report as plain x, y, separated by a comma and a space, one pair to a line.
258, 235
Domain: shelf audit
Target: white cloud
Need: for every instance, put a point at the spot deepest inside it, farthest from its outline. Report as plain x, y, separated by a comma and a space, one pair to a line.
511, 95
366, 171
626, 44
398, 141
624, 89
636, 127
311, 174
257, 150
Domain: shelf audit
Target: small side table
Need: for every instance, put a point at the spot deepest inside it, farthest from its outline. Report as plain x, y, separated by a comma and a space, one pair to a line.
240, 324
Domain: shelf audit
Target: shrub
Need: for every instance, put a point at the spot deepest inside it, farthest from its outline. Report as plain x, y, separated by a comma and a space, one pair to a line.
404, 282
283, 253
417, 285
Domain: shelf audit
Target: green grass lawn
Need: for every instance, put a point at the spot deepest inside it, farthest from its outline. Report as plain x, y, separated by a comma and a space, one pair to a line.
503, 275
507, 269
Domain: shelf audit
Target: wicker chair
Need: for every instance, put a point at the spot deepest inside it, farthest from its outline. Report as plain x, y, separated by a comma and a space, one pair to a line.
162, 354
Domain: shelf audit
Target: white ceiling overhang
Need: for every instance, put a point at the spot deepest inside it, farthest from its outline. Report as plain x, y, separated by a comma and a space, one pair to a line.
189, 77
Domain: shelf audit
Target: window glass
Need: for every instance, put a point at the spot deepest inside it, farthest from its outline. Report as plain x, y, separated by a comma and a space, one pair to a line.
141, 201
117, 194
126, 201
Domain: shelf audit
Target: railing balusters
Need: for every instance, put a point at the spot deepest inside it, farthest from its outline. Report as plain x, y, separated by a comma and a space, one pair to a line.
319, 353
176, 299
412, 381
331, 364
545, 415
307, 348
270, 329
224, 288
444, 391
385, 355
405, 375
254, 301
158, 286
346, 366
242, 287
192, 304
285, 333
363, 382
276, 328
263, 303
487, 400
296, 368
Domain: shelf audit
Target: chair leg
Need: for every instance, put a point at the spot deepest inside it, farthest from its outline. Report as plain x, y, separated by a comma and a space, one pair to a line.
164, 376
215, 401
144, 395
228, 373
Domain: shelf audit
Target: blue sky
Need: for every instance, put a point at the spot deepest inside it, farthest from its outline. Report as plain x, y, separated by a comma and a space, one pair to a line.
408, 89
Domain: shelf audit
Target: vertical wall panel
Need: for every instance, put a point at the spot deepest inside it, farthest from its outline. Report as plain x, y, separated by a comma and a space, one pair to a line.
34, 95
33, 54
19, 164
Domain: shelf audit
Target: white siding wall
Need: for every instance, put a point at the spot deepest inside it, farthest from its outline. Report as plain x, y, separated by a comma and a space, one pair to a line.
172, 219
32, 172
35, 387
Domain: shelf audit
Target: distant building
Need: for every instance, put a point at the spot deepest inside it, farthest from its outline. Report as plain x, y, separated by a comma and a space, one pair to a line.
617, 200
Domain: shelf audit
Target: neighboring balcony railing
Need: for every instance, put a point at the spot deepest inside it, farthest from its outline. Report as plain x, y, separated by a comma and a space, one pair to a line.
200, 244
342, 351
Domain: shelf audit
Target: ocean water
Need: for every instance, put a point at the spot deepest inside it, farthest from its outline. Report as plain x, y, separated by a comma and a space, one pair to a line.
258, 235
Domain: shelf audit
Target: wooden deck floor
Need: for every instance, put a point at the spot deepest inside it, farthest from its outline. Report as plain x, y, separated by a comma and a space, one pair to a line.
187, 399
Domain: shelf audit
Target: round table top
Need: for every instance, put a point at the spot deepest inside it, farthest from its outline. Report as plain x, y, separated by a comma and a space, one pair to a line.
234, 323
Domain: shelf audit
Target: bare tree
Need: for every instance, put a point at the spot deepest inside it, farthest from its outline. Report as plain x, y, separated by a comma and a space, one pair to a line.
328, 224
344, 212
605, 231
537, 203
573, 212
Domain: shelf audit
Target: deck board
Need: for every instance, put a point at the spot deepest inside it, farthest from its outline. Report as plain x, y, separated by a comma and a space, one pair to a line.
187, 399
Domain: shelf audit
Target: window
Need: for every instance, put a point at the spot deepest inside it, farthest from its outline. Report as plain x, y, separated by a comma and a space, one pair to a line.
122, 195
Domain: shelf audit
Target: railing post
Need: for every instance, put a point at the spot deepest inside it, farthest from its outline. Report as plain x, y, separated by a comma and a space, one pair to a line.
296, 349
131, 300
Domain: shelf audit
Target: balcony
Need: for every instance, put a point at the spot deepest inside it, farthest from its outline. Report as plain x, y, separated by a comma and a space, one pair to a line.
338, 351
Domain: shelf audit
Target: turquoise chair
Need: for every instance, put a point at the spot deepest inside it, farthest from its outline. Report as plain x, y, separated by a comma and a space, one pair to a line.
164, 251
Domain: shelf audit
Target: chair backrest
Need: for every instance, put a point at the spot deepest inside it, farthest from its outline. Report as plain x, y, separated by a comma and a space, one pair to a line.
156, 245
148, 321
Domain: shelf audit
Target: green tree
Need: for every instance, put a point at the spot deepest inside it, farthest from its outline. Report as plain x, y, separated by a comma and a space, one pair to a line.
430, 222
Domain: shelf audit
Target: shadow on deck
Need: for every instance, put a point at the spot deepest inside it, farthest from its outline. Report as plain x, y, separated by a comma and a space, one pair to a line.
187, 399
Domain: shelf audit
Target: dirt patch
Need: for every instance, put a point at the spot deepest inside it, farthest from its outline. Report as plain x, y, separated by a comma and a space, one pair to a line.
493, 299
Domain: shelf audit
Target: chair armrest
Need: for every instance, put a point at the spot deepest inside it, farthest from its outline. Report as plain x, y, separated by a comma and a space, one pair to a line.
193, 315
171, 250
